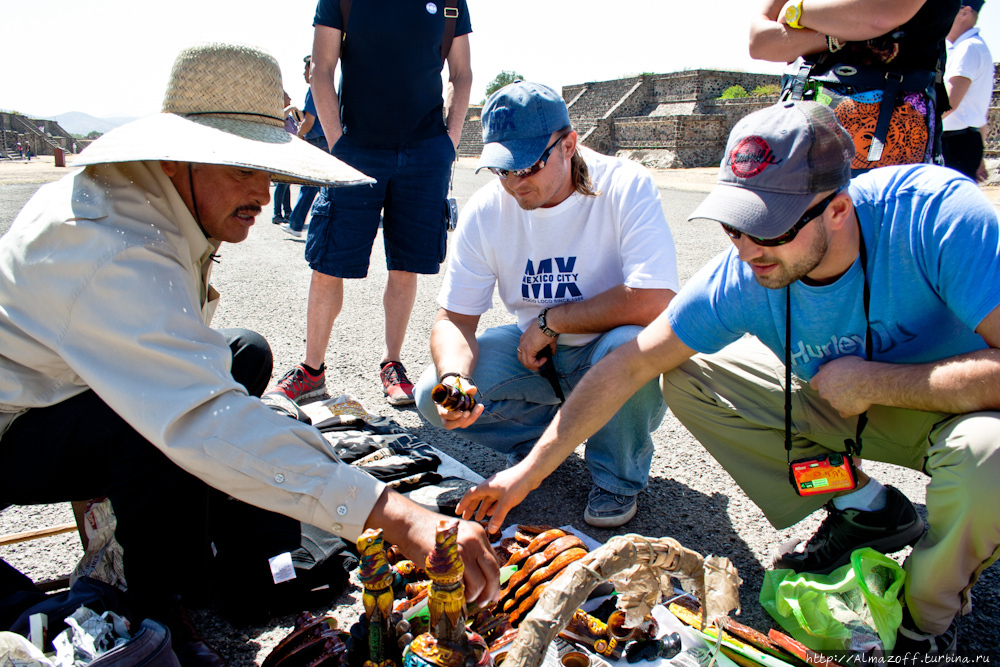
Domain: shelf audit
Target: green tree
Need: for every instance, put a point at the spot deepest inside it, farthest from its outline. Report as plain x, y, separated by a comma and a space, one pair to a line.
765, 90
734, 92
500, 80
93, 135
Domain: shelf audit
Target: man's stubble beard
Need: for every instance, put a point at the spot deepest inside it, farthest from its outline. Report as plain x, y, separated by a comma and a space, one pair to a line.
789, 273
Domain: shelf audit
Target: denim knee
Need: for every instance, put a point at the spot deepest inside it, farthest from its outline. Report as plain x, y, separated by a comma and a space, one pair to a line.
422, 395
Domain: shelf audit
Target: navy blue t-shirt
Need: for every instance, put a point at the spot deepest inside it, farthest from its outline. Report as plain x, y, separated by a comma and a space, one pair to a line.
390, 87
310, 107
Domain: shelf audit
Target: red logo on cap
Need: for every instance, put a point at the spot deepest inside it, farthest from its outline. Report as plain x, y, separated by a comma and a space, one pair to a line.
751, 156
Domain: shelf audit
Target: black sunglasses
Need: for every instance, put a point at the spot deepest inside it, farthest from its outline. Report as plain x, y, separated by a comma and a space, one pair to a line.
790, 235
535, 168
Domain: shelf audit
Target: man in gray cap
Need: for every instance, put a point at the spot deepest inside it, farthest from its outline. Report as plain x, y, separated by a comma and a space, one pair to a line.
112, 382
882, 296
578, 246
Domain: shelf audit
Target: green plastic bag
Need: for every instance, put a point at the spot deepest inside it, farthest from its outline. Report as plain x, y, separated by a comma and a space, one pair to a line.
852, 609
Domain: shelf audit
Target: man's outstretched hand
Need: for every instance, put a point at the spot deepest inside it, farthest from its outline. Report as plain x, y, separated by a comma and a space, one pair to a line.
497, 495
413, 528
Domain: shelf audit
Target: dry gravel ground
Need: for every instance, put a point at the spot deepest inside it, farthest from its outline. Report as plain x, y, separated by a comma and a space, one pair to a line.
264, 283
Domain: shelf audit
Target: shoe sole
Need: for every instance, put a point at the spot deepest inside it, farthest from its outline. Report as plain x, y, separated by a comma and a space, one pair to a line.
609, 521
899, 541
400, 401
311, 394
308, 394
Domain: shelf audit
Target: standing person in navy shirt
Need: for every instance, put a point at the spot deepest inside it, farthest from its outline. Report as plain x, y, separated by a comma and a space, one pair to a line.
311, 130
390, 120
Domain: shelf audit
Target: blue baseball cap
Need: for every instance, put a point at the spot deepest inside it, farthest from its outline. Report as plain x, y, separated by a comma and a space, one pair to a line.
518, 121
977, 5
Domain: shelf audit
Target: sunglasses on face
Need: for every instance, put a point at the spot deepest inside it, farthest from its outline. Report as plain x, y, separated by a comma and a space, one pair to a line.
535, 168
788, 236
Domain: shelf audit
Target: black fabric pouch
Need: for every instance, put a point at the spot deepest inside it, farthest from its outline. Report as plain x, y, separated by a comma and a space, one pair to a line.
245, 538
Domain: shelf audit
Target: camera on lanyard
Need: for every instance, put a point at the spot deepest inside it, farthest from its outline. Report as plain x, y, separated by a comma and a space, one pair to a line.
828, 473
832, 472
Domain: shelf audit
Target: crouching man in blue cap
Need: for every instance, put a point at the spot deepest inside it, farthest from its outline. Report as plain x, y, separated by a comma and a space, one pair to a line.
881, 296
582, 256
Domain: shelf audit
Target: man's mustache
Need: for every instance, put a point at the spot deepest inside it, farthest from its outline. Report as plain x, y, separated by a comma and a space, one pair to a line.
247, 210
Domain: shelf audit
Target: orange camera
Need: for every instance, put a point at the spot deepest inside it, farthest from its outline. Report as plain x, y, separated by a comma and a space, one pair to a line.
828, 473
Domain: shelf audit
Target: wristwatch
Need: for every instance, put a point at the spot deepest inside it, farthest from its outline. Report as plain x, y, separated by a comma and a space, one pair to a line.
545, 329
792, 15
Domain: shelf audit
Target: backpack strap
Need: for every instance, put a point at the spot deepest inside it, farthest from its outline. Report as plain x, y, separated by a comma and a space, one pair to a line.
450, 19
889, 90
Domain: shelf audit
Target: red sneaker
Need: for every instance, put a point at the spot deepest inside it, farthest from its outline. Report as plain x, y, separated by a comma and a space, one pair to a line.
397, 387
297, 384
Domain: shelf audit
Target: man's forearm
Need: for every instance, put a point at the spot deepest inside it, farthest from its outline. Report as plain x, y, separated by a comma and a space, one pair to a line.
327, 108
847, 20
618, 306
456, 104
453, 347
857, 20
957, 87
326, 54
456, 99
776, 42
958, 385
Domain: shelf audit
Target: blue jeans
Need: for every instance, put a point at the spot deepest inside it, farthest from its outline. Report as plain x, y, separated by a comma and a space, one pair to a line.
306, 195
282, 200
520, 403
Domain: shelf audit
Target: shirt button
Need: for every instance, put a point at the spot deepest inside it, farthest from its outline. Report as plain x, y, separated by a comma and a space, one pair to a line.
342, 510
336, 528
279, 478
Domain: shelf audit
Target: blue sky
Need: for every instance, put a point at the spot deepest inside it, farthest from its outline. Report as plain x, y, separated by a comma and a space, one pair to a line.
113, 57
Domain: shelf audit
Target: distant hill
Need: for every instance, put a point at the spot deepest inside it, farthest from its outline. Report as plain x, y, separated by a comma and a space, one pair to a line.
77, 122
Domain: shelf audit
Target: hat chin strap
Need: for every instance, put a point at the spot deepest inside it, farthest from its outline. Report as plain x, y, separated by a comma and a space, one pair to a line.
194, 202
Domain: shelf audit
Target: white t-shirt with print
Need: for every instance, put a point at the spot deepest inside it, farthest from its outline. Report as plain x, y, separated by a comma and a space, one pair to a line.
569, 252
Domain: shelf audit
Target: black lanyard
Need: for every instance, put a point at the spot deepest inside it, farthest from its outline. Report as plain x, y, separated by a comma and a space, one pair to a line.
853, 447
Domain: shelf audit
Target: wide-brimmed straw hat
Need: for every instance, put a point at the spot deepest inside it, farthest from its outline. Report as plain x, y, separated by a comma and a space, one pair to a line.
223, 105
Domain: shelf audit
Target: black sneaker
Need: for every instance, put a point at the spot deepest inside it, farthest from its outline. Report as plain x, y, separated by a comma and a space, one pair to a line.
886, 530
916, 646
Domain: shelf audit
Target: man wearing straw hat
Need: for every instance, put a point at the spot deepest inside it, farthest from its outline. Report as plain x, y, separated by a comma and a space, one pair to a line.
875, 307
111, 380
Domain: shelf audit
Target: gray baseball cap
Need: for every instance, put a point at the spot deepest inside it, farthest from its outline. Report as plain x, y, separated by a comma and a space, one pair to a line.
518, 121
777, 160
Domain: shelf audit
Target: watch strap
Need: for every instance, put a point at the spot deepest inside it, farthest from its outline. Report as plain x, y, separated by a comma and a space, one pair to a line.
544, 326
793, 14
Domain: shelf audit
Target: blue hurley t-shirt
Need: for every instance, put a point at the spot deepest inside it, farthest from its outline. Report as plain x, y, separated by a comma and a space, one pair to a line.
310, 107
933, 244
390, 87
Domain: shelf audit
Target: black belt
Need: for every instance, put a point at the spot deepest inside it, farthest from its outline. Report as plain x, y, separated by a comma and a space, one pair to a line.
955, 133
